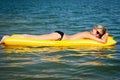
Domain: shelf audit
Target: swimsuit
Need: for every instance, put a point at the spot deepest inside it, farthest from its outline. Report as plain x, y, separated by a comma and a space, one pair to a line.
61, 34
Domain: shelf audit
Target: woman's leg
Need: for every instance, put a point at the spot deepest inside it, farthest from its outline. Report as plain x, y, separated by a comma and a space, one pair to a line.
51, 36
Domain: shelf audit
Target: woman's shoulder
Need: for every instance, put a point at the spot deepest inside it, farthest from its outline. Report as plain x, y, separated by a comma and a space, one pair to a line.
84, 34
87, 34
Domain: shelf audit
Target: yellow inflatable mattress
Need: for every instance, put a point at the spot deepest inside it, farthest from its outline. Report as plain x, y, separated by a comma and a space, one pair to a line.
38, 43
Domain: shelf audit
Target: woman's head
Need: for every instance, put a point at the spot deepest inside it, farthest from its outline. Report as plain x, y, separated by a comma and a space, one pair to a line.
99, 31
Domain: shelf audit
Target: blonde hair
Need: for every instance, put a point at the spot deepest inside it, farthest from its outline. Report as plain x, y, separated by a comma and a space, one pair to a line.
101, 27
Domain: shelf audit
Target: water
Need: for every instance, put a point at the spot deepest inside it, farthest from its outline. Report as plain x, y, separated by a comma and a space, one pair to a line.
59, 63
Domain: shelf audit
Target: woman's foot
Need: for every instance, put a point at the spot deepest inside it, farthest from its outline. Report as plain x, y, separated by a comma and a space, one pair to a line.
3, 38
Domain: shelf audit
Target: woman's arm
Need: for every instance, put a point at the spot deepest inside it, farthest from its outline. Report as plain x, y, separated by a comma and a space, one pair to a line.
103, 39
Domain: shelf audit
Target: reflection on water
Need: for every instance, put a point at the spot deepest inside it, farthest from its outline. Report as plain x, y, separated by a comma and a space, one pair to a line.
15, 49
96, 52
57, 62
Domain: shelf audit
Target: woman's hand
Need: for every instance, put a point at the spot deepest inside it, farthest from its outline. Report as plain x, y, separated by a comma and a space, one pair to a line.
105, 35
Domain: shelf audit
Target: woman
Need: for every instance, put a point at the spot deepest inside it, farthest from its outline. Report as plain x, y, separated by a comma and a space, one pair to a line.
98, 33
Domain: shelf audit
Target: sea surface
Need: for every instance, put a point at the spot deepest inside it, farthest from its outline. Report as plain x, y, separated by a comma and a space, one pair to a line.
59, 63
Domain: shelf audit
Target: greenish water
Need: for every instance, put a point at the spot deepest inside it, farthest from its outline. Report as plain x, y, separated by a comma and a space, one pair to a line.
59, 63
